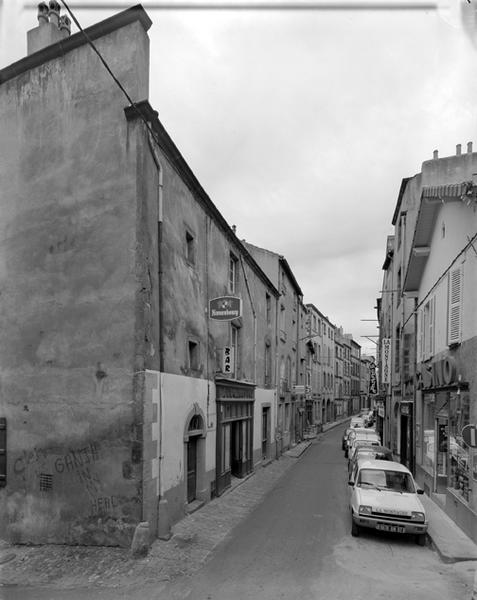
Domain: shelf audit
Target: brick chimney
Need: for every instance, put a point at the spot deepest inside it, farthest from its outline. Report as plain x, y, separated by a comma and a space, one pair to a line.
51, 27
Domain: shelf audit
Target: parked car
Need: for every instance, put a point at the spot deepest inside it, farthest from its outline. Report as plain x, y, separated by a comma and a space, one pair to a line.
356, 422
384, 497
369, 453
360, 433
345, 437
369, 418
368, 441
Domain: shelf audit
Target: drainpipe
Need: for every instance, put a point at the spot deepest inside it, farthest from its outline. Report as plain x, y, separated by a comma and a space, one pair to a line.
414, 407
254, 321
164, 525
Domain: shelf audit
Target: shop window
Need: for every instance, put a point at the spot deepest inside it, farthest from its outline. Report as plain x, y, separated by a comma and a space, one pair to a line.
428, 426
459, 460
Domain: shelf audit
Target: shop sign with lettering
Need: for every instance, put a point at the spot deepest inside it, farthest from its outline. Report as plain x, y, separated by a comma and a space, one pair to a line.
373, 384
225, 308
228, 361
386, 361
439, 373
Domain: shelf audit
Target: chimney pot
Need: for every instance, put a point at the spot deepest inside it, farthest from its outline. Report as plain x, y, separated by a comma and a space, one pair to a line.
65, 25
435, 154
42, 14
54, 13
458, 149
469, 147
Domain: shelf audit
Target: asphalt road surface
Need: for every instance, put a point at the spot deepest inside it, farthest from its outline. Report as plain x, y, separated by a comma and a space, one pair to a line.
297, 544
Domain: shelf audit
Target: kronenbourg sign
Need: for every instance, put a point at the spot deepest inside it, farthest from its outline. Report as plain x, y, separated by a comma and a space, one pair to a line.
225, 308
386, 361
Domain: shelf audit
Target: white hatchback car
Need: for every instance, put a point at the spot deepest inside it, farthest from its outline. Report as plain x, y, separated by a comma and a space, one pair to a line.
384, 496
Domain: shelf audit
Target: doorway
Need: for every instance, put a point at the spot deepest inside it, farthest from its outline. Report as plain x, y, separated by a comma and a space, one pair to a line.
236, 448
192, 469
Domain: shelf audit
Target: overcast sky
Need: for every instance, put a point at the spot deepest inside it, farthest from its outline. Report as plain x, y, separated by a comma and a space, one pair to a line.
300, 125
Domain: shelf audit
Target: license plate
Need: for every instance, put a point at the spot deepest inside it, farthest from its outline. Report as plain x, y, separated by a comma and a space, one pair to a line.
391, 528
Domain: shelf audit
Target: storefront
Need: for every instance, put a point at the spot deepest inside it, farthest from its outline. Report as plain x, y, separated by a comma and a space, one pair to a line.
406, 434
379, 411
444, 462
234, 447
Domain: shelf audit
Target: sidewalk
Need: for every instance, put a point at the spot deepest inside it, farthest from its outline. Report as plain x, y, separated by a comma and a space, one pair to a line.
194, 538
449, 540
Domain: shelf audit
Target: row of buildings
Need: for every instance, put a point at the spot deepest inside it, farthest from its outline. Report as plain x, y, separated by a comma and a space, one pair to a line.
148, 355
427, 359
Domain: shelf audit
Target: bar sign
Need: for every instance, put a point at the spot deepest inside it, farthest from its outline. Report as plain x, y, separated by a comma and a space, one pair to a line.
228, 360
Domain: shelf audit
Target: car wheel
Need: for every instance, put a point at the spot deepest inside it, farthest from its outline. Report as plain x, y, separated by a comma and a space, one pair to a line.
421, 539
354, 528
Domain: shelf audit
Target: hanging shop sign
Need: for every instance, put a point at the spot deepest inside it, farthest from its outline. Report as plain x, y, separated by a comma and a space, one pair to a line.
386, 360
225, 308
439, 373
373, 384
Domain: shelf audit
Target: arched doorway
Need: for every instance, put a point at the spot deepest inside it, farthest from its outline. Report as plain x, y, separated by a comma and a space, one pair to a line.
194, 457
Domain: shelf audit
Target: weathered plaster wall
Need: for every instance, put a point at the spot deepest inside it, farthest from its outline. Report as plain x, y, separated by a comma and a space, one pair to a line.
69, 301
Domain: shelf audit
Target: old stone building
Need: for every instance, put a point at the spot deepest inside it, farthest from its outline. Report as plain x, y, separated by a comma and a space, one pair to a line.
288, 336
137, 355
428, 318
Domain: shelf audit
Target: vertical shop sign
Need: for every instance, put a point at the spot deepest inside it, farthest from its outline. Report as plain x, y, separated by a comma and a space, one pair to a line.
228, 360
373, 385
386, 361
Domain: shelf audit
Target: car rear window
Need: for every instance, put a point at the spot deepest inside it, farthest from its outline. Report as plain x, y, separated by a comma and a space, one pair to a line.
374, 455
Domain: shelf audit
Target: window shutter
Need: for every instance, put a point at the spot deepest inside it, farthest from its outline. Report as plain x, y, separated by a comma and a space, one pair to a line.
454, 324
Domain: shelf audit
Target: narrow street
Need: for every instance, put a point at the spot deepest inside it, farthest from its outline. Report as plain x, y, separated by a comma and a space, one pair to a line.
297, 544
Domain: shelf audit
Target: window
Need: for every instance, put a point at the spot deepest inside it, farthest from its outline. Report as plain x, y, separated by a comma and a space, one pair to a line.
268, 302
268, 364
282, 322
398, 298
428, 329
190, 248
233, 274
194, 358
235, 343
397, 349
454, 319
